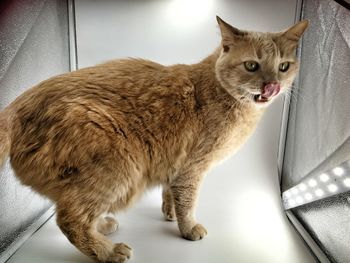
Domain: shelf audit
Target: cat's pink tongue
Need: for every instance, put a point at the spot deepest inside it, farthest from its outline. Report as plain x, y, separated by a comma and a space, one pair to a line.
270, 89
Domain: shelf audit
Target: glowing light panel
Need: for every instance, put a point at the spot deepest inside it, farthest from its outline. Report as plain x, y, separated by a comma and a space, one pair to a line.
338, 171
319, 192
324, 177
332, 188
312, 183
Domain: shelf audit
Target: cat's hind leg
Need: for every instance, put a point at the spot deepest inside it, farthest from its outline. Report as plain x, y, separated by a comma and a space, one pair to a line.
77, 217
107, 224
168, 207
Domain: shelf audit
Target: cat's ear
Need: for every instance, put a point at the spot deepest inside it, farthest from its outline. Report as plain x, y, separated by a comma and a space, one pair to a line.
295, 32
229, 34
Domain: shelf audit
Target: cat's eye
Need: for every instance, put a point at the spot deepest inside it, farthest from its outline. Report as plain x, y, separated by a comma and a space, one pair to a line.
284, 66
251, 66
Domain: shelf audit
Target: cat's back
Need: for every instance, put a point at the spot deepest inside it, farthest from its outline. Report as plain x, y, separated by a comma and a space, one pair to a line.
132, 105
122, 90
134, 78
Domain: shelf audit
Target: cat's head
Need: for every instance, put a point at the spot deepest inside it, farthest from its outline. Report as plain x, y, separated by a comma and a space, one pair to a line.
255, 67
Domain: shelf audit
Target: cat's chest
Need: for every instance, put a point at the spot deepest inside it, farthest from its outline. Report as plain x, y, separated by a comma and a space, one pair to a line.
230, 134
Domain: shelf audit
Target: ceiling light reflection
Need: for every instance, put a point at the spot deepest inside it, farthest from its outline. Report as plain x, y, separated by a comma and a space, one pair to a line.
308, 196
347, 182
338, 171
184, 13
302, 187
324, 177
312, 182
332, 188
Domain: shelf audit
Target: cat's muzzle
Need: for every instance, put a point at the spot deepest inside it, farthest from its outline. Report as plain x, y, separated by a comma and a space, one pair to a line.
268, 91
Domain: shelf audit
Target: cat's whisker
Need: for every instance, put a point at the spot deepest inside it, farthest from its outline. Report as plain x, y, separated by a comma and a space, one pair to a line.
289, 94
299, 95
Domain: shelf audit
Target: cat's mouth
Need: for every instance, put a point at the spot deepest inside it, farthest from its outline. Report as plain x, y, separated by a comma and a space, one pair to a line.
258, 98
268, 91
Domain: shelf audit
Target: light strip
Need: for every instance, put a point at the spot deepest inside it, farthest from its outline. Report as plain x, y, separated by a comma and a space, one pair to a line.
320, 186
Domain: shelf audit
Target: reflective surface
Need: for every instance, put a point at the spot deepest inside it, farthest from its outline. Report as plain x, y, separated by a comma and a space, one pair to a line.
33, 47
319, 186
318, 136
329, 223
319, 120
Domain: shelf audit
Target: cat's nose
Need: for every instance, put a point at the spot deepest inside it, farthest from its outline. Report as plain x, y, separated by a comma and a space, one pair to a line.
270, 89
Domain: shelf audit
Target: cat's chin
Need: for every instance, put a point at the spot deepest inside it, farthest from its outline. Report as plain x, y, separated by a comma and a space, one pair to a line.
261, 105
261, 102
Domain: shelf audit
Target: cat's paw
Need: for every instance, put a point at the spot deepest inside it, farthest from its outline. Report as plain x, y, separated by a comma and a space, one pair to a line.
121, 253
168, 211
107, 225
196, 233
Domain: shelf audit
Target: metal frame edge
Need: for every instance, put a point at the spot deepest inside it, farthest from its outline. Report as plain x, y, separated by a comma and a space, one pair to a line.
11, 250
310, 242
316, 250
72, 36
285, 110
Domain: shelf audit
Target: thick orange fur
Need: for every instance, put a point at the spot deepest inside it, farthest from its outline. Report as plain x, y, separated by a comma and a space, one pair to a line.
93, 140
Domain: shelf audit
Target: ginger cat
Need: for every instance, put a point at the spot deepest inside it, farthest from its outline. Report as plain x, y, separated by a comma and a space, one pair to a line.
93, 140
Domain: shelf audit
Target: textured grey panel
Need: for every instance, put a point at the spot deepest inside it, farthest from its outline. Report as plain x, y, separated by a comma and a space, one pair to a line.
33, 47
328, 221
12, 37
319, 119
318, 135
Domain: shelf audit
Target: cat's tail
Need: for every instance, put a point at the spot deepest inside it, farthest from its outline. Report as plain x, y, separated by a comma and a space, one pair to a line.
5, 141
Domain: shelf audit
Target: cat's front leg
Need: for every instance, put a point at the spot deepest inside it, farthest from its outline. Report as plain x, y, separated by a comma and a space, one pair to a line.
185, 190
